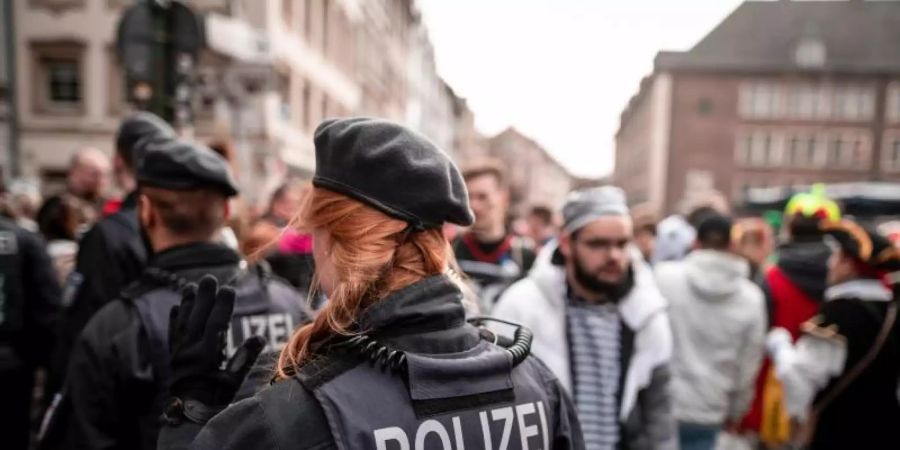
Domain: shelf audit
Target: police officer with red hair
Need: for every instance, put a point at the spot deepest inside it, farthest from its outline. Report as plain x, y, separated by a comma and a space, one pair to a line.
390, 362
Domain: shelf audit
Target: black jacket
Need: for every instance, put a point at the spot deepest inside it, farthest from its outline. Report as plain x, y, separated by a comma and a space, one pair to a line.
867, 412
110, 256
31, 299
113, 393
288, 415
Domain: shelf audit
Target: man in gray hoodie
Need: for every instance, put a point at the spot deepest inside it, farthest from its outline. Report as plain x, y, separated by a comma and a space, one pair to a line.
718, 323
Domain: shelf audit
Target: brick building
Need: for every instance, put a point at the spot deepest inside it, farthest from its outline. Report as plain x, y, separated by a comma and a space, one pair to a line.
780, 93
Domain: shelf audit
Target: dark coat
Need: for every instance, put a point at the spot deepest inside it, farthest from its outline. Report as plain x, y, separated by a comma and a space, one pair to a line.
288, 415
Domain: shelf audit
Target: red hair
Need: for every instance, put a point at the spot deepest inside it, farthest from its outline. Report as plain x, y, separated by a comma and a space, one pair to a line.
370, 261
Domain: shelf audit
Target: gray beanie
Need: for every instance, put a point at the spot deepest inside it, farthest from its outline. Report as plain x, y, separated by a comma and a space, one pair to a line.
586, 205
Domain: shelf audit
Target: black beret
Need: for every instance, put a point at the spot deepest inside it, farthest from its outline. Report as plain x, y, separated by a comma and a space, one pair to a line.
138, 128
180, 165
864, 244
392, 169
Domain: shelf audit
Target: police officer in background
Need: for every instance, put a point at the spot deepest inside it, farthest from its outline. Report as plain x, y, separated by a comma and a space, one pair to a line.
118, 375
390, 361
110, 254
29, 307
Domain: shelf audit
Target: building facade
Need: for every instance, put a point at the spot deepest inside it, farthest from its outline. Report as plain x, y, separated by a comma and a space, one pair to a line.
273, 70
7, 157
779, 94
534, 177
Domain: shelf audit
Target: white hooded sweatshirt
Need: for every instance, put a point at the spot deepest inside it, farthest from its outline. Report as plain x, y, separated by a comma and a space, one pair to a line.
718, 323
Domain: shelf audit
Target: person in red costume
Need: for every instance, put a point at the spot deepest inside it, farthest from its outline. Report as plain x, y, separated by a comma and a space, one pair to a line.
794, 287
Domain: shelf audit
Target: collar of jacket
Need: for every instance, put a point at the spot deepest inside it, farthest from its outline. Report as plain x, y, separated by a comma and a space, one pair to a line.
863, 289
194, 255
431, 310
130, 201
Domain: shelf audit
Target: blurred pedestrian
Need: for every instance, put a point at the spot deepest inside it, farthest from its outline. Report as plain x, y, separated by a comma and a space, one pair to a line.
601, 326
840, 378
794, 288
754, 240
87, 180
29, 307
390, 362
228, 235
112, 253
541, 226
718, 323
645, 236
674, 239
21, 203
290, 254
59, 220
119, 371
489, 254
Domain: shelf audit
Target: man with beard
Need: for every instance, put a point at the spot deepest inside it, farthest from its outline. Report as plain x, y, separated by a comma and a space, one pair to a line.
491, 256
600, 324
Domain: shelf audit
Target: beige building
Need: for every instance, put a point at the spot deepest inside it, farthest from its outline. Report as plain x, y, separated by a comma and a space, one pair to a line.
535, 178
779, 94
272, 71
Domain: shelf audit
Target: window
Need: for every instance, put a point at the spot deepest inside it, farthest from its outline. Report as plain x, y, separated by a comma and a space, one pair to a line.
853, 103
757, 149
859, 154
848, 151
796, 151
58, 87
761, 100
893, 102
804, 102
742, 150
64, 80
892, 155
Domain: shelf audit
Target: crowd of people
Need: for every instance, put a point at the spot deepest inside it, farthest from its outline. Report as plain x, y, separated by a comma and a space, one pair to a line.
582, 325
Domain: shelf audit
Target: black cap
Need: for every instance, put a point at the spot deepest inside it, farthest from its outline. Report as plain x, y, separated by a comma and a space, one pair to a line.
138, 129
392, 169
180, 165
864, 244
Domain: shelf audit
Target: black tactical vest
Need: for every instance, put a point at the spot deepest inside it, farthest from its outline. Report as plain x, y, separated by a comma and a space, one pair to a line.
11, 289
263, 307
469, 400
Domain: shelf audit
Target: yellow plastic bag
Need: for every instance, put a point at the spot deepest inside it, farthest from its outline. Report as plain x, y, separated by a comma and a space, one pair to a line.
775, 429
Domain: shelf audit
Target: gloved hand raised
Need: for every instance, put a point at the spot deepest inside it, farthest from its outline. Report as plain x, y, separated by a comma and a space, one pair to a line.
197, 341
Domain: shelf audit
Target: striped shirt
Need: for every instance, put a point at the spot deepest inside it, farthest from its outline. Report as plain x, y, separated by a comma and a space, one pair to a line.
594, 338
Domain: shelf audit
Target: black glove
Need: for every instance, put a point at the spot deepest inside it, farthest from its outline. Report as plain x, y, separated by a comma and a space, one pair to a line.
197, 342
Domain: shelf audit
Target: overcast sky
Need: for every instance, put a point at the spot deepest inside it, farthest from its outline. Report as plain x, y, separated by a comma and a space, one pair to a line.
560, 70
